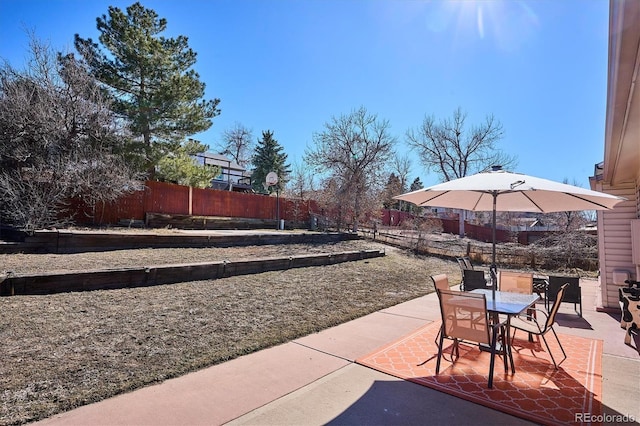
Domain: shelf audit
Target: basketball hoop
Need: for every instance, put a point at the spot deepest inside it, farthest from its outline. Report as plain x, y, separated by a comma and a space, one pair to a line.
271, 179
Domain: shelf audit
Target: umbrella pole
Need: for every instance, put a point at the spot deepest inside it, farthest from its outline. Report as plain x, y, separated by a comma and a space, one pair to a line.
493, 268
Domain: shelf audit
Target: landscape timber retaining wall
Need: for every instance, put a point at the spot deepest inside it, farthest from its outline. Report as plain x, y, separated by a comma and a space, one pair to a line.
66, 242
159, 220
31, 284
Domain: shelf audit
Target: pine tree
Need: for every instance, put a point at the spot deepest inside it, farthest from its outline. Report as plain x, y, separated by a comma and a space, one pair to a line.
416, 184
150, 78
269, 157
182, 167
393, 188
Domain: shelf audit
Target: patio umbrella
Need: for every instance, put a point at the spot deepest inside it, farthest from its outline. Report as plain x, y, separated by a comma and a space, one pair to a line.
499, 190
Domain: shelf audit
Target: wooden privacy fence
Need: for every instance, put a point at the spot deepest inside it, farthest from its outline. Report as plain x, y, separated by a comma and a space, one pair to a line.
167, 198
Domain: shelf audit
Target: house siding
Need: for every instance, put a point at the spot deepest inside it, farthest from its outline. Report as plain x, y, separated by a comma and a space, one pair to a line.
619, 173
614, 232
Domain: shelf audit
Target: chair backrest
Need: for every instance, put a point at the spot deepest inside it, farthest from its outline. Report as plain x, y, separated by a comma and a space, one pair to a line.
440, 282
572, 293
515, 282
467, 262
472, 280
556, 305
464, 316
461, 264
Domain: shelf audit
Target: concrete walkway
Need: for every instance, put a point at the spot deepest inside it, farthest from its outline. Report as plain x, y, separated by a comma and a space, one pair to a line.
314, 380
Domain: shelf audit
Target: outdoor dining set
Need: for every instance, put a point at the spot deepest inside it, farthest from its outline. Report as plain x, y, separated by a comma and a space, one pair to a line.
490, 311
545, 286
487, 310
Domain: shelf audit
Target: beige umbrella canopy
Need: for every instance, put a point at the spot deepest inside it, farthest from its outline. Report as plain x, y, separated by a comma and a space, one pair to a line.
499, 190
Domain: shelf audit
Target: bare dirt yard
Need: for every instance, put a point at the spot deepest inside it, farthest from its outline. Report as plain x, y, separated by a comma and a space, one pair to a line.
65, 350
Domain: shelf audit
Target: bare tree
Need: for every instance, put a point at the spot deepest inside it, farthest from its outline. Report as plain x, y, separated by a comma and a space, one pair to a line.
333, 199
59, 141
573, 220
401, 166
353, 149
237, 142
453, 151
301, 182
570, 245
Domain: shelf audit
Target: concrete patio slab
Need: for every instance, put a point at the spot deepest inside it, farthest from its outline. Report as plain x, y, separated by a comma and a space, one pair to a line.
357, 395
421, 308
356, 338
211, 396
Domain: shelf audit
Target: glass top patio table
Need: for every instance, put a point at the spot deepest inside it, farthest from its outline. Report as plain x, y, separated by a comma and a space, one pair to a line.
507, 303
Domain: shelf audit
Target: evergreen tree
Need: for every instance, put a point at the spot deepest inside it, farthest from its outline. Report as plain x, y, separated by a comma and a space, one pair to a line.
181, 167
150, 78
415, 185
393, 188
269, 157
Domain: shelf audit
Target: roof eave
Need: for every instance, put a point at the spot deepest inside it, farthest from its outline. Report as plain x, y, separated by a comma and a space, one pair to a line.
622, 128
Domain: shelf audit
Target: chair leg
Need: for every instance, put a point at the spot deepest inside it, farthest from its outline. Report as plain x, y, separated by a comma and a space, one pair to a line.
439, 353
546, 301
564, 354
579, 301
456, 350
506, 349
493, 356
556, 365
544, 339
505, 340
513, 367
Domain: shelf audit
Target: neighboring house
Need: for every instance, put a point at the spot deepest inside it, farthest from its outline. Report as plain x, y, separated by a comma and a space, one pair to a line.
233, 177
619, 173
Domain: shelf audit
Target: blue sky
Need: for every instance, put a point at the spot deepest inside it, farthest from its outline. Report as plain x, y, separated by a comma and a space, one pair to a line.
540, 67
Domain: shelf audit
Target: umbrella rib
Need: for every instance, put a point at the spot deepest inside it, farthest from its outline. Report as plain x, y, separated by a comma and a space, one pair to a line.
432, 198
479, 198
532, 202
588, 201
566, 193
446, 192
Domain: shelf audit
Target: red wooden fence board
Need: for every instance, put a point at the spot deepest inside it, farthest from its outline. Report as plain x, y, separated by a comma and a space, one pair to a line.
166, 198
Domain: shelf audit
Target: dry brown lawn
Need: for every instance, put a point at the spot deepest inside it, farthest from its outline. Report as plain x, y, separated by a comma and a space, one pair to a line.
65, 350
